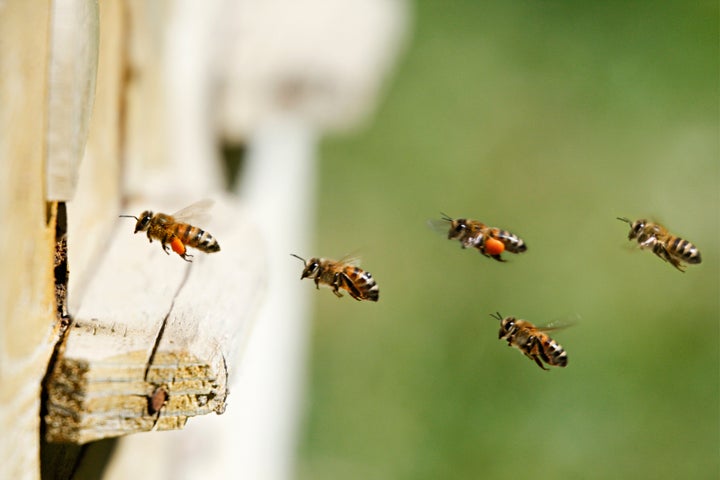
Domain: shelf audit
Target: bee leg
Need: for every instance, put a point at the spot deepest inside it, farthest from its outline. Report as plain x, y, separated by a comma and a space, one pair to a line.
336, 285
533, 349
167, 242
317, 283
678, 265
187, 257
496, 257
149, 237
649, 243
674, 262
351, 288
660, 250
539, 363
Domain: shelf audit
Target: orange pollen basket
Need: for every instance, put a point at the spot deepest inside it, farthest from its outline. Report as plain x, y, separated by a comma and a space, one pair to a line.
494, 247
177, 246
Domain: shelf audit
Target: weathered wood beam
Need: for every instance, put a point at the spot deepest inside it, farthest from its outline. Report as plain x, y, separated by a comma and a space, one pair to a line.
27, 235
154, 337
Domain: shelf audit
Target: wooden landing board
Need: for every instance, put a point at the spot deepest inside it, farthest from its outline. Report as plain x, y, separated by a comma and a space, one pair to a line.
155, 337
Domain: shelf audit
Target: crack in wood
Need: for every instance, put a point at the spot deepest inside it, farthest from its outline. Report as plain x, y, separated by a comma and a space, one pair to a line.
61, 270
160, 395
50, 454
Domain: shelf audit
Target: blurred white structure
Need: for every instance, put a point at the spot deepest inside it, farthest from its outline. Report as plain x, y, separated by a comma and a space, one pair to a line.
272, 75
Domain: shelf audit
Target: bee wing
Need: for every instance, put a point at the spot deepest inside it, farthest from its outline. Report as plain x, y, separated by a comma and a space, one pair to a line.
558, 325
352, 258
439, 225
552, 328
197, 213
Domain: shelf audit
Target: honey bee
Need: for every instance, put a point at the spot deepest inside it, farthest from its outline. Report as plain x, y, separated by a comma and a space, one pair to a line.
532, 341
489, 241
343, 274
670, 248
172, 232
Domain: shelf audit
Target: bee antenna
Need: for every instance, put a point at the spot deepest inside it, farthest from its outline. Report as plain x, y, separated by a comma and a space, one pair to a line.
301, 259
624, 219
445, 216
129, 216
499, 317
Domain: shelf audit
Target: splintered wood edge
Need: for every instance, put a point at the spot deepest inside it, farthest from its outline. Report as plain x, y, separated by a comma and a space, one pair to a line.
155, 338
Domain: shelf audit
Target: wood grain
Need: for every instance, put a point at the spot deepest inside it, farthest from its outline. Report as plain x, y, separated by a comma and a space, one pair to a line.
27, 236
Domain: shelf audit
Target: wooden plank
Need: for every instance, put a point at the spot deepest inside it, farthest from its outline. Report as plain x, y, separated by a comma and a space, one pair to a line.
71, 91
90, 213
97, 193
151, 325
27, 235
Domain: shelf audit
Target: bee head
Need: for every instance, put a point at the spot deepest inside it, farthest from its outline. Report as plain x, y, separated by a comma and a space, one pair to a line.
311, 269
144, 221
507, 325
457, 228
636, 227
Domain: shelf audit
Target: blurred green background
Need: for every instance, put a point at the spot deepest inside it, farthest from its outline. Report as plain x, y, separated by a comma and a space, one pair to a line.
549, 119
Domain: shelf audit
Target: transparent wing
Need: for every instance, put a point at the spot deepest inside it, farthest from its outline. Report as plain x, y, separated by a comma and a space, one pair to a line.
560, 324
352, 258
197, 213
553, 327
439, 225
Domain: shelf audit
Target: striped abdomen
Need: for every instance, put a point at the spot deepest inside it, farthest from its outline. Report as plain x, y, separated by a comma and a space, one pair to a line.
512, 242
360, 284
551, 352
683, 250
196, 237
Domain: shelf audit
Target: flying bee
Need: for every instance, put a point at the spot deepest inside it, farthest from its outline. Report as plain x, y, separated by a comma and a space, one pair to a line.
172, 231
489, 241
670, 248
532, 341
343, 274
